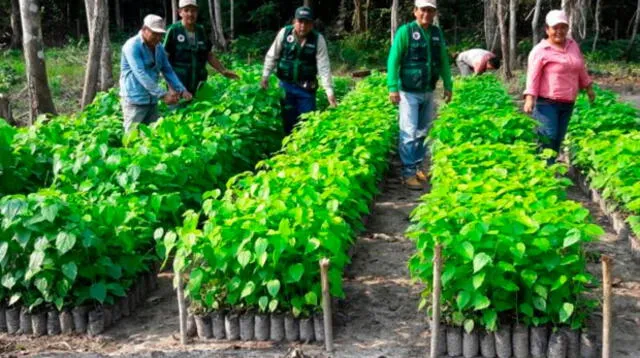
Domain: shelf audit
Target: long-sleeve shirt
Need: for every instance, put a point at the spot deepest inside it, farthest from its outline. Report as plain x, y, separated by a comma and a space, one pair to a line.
140, 69
322, 60
399, 50
557, 74
476, 58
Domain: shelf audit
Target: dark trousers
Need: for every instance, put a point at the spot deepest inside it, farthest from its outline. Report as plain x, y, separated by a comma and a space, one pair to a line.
553, 118
296, 102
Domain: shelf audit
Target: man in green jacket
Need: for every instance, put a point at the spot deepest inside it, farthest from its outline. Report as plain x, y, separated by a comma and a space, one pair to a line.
189, 48
417, 60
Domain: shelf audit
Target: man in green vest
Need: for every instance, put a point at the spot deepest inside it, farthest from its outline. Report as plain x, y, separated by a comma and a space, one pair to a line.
189, 48
417, 60
298, 55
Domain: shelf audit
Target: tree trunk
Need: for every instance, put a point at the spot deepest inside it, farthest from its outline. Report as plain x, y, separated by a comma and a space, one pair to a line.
37, 82
5, 109
219, 28
342, 17
118, 15
504, 41
96, 32
174, 11
635, 30
232, 26
490, 31
535, 23
106, 64
394, 18
358, 21
367, 5
16, 30
513, 24
597, 25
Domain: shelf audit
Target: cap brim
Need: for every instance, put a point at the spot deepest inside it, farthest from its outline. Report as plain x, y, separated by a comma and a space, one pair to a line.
304, 18
158, 31
557, 23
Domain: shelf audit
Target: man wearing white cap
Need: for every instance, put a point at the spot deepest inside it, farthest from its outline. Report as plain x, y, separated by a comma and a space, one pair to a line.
417, 60
143, 58
556, 72
189, 48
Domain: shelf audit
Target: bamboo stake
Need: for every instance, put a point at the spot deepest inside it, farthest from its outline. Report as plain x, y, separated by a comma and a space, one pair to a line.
606, 306
435, 320
326, 305
182, 311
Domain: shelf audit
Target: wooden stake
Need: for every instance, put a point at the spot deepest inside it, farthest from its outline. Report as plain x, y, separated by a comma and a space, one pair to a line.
606, 306
326, 305
182, 310
437, 287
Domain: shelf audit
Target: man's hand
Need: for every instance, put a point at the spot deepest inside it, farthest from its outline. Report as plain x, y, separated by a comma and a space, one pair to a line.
528, 104
394, 97
264, 83
187, 95
230, 74
170, 98
447, 96
332, 101
591, 94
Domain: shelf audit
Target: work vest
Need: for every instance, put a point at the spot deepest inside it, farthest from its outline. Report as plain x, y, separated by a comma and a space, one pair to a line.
420, 68
298, 63
189, 61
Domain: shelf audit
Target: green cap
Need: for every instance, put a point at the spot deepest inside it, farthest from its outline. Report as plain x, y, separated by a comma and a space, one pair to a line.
304, 13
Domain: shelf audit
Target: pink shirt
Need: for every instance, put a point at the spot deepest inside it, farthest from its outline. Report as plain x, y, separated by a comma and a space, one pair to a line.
556, 74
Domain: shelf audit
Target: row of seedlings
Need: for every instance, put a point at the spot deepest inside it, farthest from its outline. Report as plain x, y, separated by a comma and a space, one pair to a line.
514, 275
604, 150
252, 268
85, 246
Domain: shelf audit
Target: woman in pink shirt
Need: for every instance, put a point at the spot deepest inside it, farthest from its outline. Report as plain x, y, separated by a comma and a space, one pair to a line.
556, 72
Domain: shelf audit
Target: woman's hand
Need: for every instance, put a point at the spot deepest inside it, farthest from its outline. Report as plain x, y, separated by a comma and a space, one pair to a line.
528, 104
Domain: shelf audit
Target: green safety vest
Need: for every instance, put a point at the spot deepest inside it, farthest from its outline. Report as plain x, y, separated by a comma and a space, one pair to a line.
298, 63
188, 61
420, 68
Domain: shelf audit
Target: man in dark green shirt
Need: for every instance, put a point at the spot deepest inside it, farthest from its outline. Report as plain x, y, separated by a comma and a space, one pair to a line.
189, 48
417, 60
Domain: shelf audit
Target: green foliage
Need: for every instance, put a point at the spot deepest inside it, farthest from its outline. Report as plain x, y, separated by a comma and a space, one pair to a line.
511, 241
611, 50
8, 77
363, 50
262, 238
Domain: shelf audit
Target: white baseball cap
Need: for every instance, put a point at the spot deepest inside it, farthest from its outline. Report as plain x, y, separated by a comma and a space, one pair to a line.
155, 23
185, 3
555, 17
426, 3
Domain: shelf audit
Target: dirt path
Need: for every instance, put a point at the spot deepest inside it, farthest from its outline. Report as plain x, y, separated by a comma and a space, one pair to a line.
626, 283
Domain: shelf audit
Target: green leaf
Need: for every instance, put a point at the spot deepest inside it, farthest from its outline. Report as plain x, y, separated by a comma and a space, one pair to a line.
15, 298
478, 280
541, 290
463, 299
50, 212
98, 291
559, 283
540, 304
490, 319
468, 325
526, 309
311, 298
273, 287
295, 272
573, 237
273, 305
248, 289
566, 311
481, 302
529, 277
263, 302
244, 257
467, 249
43, 286
8, 280
70, 270
65, 242
261, 246
35, 264
4, 247
480, 261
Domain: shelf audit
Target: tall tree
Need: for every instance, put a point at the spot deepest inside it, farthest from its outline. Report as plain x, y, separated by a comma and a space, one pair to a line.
536, 22
513, 24
357, 21
174, 11
394, 19
215, 14
118, 16
96, 31
37, 82
16, 27
232, 20
597, 24
636, 24
504, 41
490, 27
106, 64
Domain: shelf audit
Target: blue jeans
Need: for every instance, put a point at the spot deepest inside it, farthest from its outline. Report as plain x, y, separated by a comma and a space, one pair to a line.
296, 102
553, 118
416, 114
